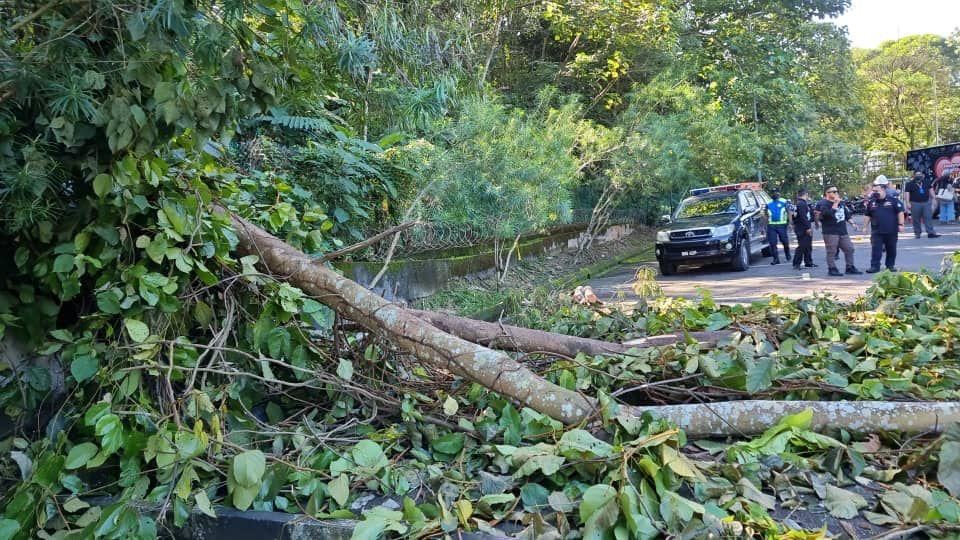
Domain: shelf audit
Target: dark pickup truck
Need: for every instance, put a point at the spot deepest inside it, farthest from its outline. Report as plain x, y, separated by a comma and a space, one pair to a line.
721, 224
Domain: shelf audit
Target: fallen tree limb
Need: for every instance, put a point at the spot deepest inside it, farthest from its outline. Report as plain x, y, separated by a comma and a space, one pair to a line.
755, 416
500, 373
493, 369
367, 242
514, 338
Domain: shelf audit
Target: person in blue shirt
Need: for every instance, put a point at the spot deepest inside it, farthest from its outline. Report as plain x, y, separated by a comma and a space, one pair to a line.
778, 216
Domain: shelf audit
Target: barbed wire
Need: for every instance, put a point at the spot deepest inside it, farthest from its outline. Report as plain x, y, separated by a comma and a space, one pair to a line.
431, 236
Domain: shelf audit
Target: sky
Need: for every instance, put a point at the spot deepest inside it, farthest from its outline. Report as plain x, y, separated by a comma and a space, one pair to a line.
871, 22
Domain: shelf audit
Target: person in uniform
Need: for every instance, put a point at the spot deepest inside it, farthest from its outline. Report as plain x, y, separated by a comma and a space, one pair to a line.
834, 218
778, 215
803, 227
886, 222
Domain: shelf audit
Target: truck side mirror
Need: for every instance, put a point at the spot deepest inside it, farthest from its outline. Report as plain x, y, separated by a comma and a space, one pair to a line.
665, 219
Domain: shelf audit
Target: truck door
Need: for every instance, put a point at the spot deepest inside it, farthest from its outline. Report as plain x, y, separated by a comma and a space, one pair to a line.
751, 218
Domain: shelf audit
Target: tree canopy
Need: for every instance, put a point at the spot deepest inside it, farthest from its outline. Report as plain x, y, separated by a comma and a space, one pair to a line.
152, 355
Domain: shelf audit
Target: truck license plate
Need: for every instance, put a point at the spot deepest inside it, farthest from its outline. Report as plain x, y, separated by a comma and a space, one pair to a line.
688, 253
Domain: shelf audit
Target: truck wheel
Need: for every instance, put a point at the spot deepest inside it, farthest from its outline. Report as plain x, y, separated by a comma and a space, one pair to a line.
668, 268
742, 260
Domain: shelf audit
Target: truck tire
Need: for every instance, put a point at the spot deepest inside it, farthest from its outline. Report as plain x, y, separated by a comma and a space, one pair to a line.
668, 268
741, 260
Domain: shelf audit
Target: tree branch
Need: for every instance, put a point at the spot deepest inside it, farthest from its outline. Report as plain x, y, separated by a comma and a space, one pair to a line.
366, 243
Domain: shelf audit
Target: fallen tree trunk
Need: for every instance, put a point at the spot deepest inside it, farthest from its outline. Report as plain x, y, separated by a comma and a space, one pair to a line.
755, 416
493, 369
500, 373
514, 338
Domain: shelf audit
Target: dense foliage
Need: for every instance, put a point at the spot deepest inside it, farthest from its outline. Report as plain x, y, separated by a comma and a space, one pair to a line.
144, 359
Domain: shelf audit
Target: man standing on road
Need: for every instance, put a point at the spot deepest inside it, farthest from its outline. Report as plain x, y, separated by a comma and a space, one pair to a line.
777, 218
803, 226
921, 204
886, 221
834, 216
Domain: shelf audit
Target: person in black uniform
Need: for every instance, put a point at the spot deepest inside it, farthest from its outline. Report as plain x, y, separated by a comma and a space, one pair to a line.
803, 227
886, 222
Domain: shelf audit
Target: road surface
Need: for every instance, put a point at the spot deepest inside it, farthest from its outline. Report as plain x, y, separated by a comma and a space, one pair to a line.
762, 279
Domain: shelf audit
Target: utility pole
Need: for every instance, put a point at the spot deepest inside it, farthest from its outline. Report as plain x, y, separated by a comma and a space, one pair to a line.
936, 111
756, 130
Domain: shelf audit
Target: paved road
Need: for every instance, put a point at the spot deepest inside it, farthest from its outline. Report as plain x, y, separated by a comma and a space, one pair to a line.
762, 279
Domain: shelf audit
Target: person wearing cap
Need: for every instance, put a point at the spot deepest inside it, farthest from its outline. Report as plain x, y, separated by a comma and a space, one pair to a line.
886, 222
920, 204
778, 216
803, 227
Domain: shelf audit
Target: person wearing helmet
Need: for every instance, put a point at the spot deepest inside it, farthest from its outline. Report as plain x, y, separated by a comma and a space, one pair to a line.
778, 216
886, 223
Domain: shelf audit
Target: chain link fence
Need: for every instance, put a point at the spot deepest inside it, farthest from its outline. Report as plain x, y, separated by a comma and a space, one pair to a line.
434, 237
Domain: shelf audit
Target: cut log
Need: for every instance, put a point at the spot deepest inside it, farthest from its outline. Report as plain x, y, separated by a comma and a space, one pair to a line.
515, 338
493, 369
755, 416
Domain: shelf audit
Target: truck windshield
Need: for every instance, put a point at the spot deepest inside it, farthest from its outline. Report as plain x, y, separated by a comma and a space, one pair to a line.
708, 206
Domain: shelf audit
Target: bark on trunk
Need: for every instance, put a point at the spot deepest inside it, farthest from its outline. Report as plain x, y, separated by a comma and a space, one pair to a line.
493, 369
755, 416
500, 373
514, 338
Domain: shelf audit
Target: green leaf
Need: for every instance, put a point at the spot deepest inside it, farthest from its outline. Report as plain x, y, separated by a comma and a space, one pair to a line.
110, 430
760, 375
599, 511
8, 528
376, 521
843, 504
594, 498
450, 444
248, 468
102, 184
948, 471
450, 406
63, 264
580, 444
369, 455
203, 503
138, 330
80, 454
84, 367
243, 496
339, 489
345, 369
638, 523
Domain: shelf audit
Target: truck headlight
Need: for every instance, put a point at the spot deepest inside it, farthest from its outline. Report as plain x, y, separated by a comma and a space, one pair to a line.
663, 236
722, 231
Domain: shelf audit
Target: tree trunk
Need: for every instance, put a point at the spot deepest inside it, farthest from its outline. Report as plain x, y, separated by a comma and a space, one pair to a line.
755, 416
493, 369
514, 338
500, 373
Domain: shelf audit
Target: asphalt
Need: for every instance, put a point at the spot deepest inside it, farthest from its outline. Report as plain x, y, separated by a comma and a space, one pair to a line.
762, 279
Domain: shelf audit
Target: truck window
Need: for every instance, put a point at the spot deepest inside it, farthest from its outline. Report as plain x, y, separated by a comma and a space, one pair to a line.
747, 201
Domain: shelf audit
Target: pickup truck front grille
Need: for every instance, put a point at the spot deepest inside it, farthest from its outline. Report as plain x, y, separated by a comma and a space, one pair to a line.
691, 234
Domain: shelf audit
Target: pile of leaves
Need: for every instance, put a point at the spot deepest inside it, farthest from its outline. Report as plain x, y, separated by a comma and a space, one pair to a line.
321, 419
